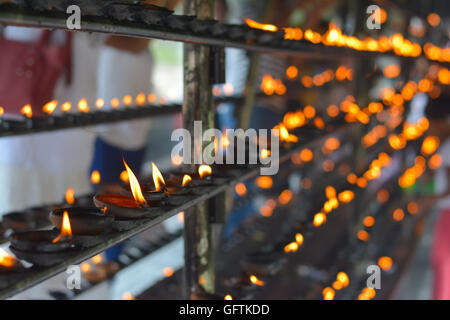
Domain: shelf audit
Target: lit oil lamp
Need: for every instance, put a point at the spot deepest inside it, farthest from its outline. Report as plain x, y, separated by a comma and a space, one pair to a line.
45, 247
151, 192
84, 221
196, 183
125, 206
11, 269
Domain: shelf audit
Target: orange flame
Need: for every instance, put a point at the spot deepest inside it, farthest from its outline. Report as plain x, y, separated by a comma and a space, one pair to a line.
186, 179
319, 219
158, 179
97, 259
256, 25
168, 272
385, 263
66, 229
342, 277
66, 106
128, 296
291, 247
7, 260
284, 134
99, 103
95, 177
50, 106
70, 196
83, 106
204, 170
328, 293
254, 279
27, 111
134, 185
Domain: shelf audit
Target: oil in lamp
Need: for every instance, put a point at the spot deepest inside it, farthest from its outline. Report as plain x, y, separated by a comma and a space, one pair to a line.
45, 247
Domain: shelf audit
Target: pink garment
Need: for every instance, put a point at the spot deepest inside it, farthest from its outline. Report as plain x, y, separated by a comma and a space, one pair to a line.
440, 257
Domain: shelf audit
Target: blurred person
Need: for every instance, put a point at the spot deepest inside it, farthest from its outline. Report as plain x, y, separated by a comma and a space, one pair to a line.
38, 168
125, 69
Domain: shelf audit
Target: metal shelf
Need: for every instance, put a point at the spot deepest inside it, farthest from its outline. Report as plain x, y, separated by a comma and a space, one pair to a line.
79, 120
47, 123
192, 31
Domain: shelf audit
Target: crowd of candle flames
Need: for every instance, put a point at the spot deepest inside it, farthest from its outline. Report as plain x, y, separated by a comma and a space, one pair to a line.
334, 37
390, 118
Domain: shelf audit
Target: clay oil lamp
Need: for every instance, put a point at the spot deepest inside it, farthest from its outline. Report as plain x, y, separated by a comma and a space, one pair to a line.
45, 247
90, 226
31, 219
171, 193
179, 190
125, 208
11, 270
196, 183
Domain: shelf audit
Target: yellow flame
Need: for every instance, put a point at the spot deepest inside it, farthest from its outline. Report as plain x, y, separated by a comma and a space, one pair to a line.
27, 111
254, 279
99, 103
204, 170
328, 293
50, 106
66, 106
134, 185
83, 106
66, 229
256, 25
291, 247
158, 179
6, 260
95, 177
186, 179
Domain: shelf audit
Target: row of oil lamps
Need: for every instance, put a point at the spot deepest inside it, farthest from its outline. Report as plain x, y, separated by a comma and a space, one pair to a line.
76, 228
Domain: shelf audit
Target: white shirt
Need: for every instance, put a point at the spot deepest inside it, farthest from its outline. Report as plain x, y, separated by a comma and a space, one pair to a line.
122, 73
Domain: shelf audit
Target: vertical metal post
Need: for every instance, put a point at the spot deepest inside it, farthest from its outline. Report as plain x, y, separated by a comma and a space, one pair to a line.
198, 106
